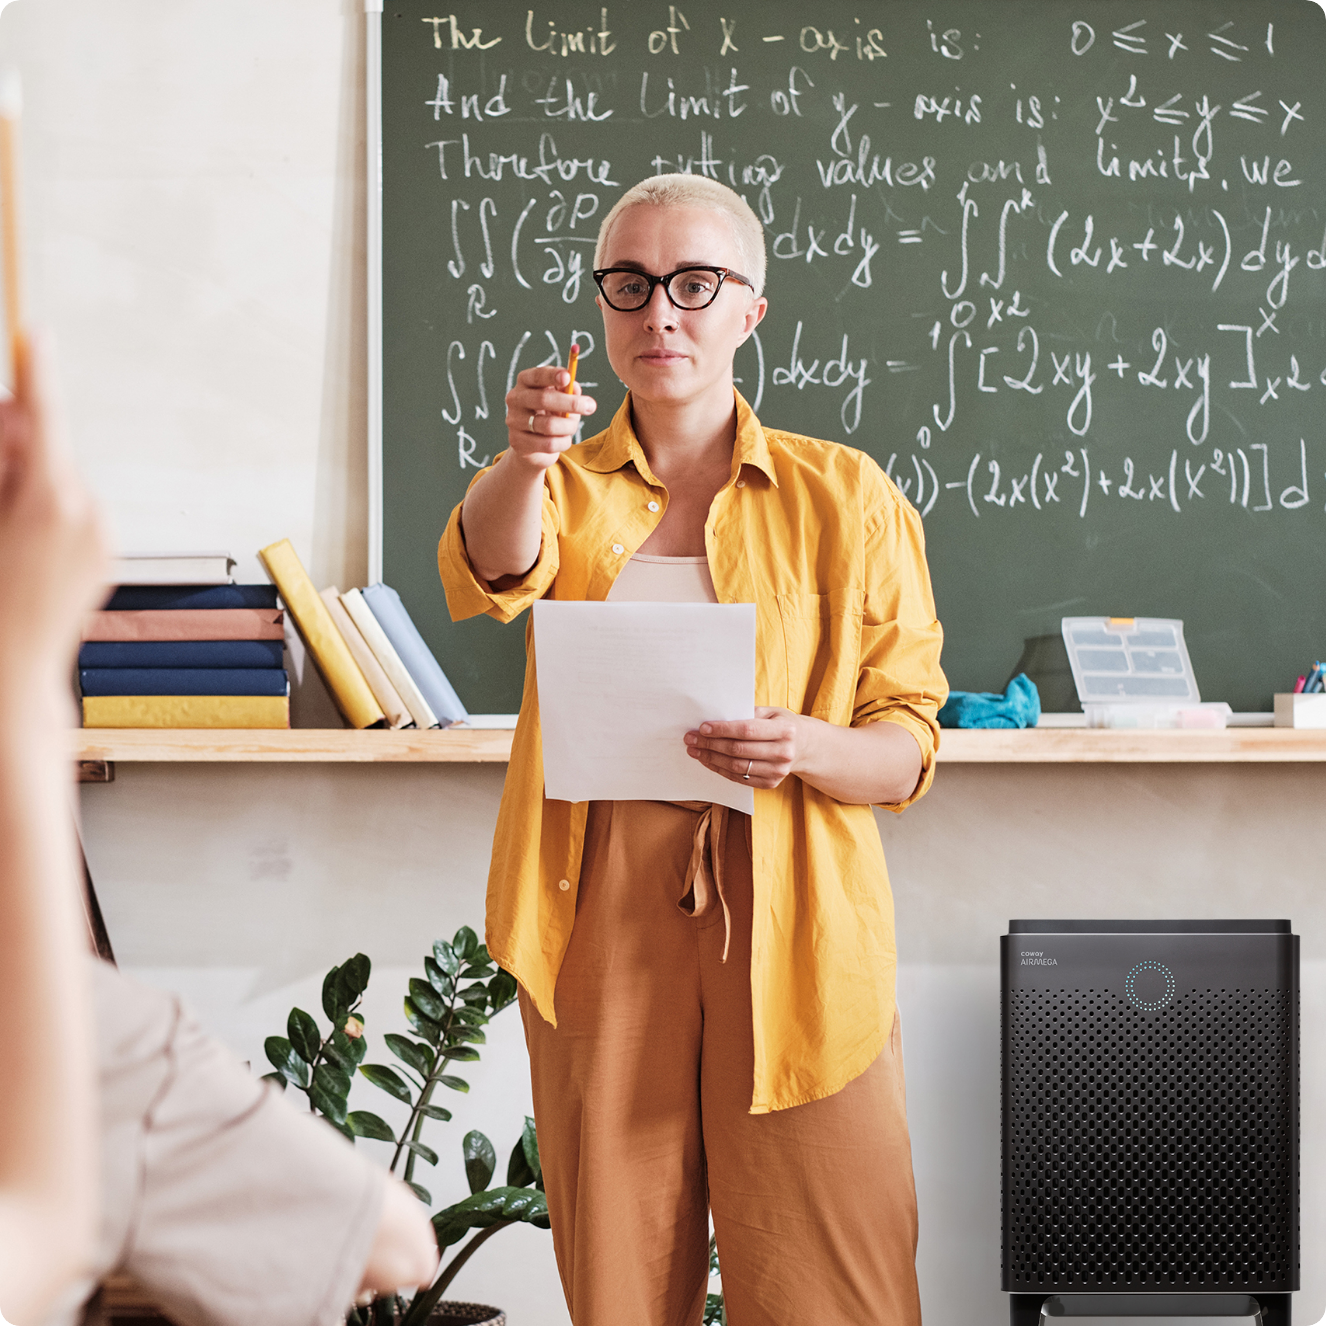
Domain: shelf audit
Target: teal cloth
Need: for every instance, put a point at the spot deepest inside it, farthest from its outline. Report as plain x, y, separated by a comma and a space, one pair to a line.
1019, 706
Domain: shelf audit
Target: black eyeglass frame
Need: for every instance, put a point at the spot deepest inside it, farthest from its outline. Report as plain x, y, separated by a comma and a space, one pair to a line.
723, 274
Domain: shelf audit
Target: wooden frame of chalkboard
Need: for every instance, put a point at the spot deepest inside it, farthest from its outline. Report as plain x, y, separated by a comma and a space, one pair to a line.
1060, 269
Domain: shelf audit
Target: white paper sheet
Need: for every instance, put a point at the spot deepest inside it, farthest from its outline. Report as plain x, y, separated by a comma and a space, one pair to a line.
620, 685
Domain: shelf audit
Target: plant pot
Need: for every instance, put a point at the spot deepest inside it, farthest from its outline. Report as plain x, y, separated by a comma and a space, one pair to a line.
466, 1314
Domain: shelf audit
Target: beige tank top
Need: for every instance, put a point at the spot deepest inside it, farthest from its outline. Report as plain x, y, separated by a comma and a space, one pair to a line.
646, 579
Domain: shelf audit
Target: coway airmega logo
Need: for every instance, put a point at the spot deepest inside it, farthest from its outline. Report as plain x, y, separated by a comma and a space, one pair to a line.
1037, 959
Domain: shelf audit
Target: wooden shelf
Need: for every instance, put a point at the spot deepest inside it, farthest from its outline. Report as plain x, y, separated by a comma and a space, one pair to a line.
1235, 745
464, 746
294, 745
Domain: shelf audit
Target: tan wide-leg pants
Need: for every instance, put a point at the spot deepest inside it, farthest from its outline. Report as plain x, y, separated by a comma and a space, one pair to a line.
642, 1096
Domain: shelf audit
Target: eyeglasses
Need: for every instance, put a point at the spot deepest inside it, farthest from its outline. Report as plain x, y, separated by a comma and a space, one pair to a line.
627, 290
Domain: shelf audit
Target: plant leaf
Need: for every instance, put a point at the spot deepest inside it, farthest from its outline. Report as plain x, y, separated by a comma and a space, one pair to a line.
421, 1193
529, 1142
282, 1056
364, 1124
352, 981
480, 1160
425, 1026
419, 1057
437, 978
502, 990
465, 1054
423, 1152
348, 1052
326, 1103
332, 1003
465, 942
435, 1112
479, 969
474, 1017
476, 994
389, 1080
276, 1078
334, 1080
446, 957
355, 974
304, 1034
455, 1083
490, 1207
518, 1172
471, 1034
427, 1000
481, 954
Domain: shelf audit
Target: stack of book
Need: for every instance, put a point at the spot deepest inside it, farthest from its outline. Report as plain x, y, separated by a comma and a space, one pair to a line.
201, 652
378, 668
175, 649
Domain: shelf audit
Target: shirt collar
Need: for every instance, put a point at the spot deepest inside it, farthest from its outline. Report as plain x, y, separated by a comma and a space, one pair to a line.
619, 446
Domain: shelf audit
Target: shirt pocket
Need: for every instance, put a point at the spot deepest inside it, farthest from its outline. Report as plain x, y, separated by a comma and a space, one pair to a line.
822, 640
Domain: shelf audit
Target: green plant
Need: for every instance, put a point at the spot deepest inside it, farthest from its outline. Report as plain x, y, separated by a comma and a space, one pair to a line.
460, 992
322, 1067
715, 1310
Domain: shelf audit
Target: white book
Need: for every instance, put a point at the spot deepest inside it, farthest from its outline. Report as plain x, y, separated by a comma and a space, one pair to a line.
395, 708
385, 653
180, 568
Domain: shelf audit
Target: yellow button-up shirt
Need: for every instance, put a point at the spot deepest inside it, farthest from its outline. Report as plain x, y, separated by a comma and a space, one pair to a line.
833, 557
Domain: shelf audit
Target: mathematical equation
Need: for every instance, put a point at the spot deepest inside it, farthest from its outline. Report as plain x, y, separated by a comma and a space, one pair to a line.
1177, 484
1142, 255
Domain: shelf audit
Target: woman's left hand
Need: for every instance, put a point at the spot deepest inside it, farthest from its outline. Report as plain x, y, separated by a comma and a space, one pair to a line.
761, 751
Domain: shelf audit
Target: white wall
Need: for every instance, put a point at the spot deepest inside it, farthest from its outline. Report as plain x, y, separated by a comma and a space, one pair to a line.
195, 186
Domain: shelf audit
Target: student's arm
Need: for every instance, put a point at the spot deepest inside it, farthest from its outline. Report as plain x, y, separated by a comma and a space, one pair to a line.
51, 573
404, 1251
502, 512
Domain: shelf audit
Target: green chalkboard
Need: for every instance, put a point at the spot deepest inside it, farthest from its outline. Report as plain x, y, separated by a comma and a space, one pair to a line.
1059, 267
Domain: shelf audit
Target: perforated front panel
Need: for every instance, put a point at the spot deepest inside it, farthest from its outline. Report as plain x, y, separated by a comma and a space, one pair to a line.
1150, 1150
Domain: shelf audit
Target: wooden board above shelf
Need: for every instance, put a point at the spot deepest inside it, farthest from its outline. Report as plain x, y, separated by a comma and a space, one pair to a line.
464, 746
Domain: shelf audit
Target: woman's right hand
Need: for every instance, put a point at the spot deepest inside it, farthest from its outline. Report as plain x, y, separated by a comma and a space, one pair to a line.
542, 416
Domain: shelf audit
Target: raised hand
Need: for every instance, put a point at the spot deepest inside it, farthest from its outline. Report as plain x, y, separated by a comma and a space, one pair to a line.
542, 415
51, 543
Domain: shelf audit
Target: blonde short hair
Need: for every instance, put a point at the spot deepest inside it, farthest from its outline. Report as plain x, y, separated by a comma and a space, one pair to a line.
695, 191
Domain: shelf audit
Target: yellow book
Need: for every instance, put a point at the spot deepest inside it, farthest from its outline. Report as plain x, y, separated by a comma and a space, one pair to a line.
321, 638
383, 691
250, 711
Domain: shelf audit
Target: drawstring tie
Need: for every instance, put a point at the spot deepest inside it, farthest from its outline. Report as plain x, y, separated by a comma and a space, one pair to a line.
704, 874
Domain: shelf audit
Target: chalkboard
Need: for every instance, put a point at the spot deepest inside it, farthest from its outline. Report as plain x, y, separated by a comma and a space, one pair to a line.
1059, 267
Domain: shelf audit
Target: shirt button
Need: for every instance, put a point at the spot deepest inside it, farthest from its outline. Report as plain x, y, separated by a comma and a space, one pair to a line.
618, 549
741, 483
653, 506
564, 884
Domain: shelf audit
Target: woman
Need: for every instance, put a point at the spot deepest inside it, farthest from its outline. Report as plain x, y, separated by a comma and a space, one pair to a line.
708, 997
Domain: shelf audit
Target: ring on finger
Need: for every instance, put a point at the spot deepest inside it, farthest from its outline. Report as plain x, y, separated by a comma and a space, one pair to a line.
748, 765
529, 427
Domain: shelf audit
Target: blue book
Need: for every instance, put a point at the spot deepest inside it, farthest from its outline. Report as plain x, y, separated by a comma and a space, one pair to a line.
386, 606
158, 598
184, 681
180, 654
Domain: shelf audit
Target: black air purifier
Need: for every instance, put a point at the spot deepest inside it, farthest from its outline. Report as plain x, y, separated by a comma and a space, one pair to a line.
1150, 1119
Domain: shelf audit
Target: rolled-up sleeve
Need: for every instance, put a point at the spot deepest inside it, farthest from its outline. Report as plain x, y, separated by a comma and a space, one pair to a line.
900, 679
467, 595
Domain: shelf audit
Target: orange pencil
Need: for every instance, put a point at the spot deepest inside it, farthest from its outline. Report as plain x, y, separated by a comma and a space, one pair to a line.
572, 360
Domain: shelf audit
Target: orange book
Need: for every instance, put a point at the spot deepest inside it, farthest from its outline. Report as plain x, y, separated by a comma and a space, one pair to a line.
187, 624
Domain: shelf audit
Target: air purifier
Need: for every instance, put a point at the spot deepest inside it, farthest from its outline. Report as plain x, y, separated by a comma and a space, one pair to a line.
1150, 1119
